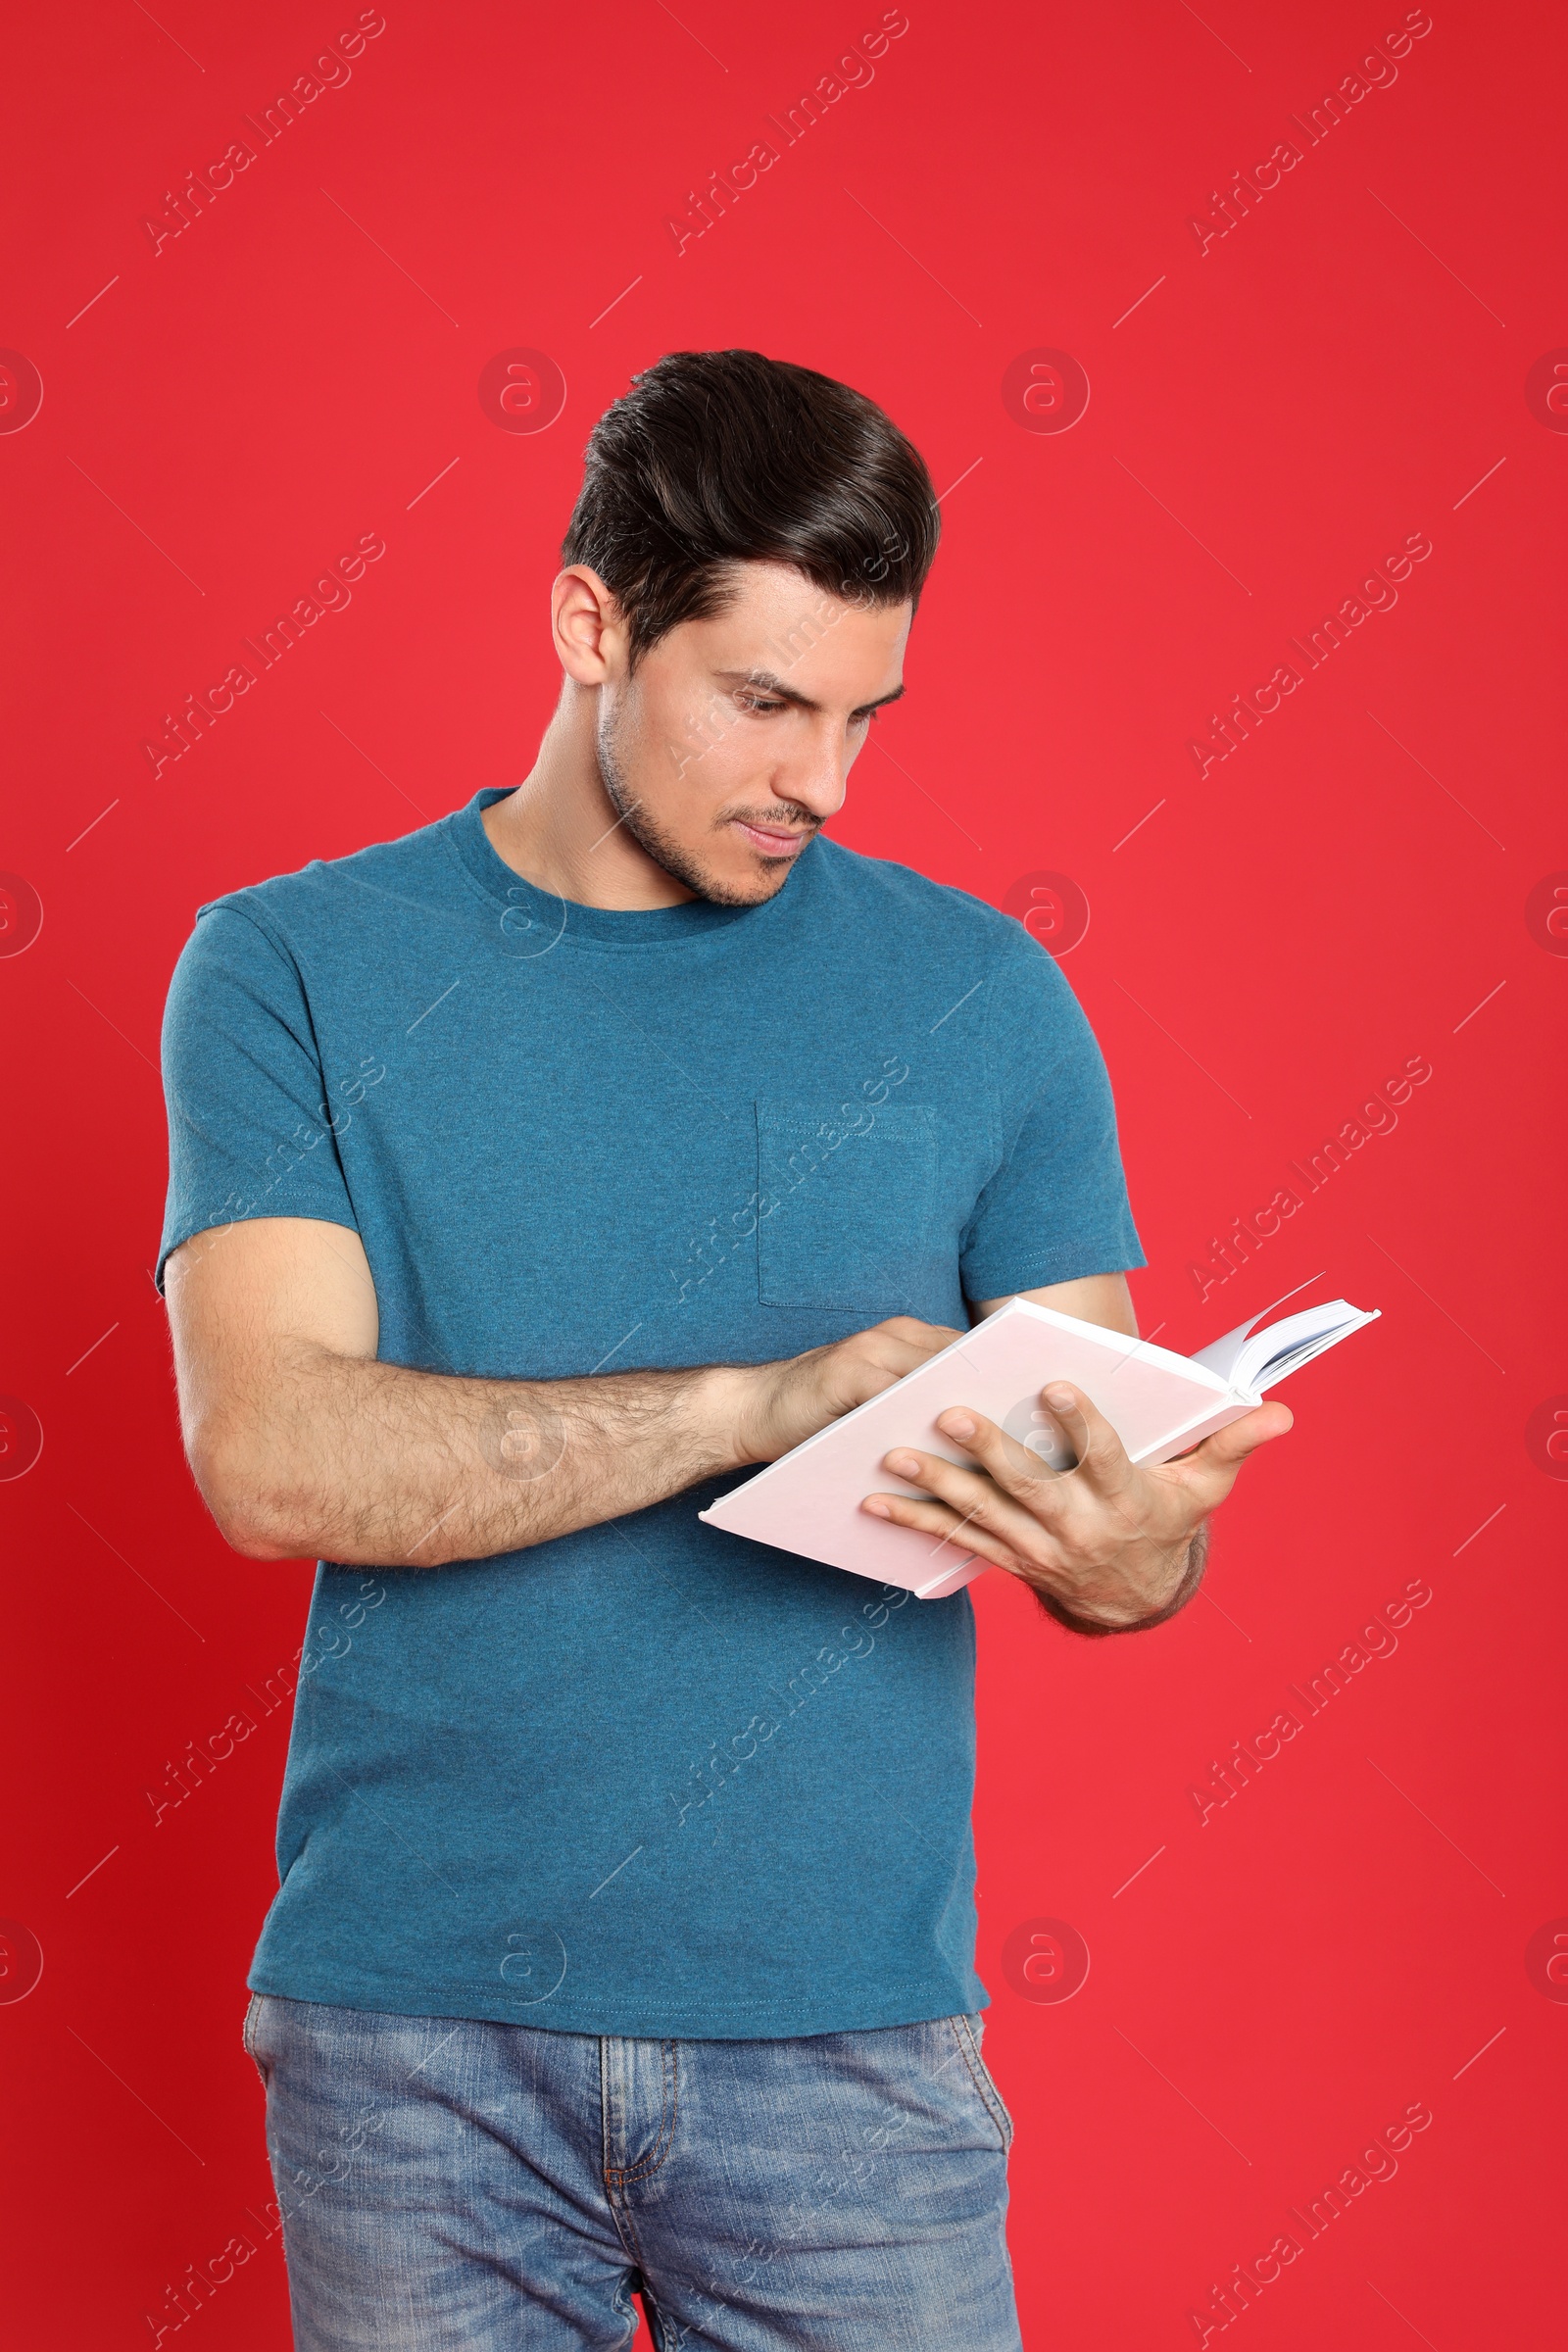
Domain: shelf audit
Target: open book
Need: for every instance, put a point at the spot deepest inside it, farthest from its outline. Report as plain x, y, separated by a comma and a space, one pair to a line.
1158, 1404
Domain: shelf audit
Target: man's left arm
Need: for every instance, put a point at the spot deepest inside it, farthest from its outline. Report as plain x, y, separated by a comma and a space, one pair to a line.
1106, 1547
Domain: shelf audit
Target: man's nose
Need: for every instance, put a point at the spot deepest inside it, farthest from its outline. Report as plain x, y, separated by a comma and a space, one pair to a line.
816, 776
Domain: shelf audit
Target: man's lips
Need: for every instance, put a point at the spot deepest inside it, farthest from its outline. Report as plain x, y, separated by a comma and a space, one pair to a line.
774, 841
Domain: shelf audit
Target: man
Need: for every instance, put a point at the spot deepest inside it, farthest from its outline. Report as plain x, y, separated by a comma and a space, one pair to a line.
533, 1178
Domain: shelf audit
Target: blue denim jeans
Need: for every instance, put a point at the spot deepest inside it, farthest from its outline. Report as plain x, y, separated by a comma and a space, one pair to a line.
449, 2182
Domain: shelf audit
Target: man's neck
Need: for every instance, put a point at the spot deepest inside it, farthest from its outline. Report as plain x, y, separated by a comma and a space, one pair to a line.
560, 831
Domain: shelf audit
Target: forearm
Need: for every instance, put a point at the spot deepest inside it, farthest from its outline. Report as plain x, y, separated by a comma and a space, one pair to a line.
378, 1466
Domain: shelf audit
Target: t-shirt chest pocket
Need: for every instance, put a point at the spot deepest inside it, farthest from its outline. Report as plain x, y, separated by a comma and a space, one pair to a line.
844, 1207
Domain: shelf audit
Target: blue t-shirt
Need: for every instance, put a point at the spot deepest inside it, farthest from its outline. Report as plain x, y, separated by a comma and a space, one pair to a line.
651, 1778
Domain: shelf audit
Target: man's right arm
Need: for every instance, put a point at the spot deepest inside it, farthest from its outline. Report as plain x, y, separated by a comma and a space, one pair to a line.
303, 1445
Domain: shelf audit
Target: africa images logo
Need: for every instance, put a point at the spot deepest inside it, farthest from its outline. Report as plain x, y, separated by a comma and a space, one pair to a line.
523, 390
1045, 1960
20, 391
1045, 390
1051, 909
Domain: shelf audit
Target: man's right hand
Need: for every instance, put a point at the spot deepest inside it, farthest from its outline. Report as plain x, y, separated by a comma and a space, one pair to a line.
779, 1405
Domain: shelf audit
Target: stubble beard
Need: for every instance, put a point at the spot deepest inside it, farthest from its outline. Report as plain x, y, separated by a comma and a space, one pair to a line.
676, 859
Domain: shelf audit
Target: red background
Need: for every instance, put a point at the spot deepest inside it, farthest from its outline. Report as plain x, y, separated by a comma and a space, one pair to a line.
1339, 371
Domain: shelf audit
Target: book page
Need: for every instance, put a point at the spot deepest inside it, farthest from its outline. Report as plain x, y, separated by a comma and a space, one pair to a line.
1251, 1360
1220, 1356
1270, 1355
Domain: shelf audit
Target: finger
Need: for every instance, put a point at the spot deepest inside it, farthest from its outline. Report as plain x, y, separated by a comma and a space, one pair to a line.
952, 1532
1015, 1467
904, 1343
948, 1481
1206, 1475
1102, 1456
972, 1495
868, 1361
1228, 1448
931, 1335
885, 1347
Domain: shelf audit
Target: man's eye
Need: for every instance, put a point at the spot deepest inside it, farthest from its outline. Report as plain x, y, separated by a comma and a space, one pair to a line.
751, 702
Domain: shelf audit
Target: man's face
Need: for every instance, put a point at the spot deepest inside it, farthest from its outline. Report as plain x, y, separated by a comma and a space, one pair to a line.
732, 742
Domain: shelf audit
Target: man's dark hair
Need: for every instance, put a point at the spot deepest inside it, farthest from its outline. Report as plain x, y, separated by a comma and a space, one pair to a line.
719, 457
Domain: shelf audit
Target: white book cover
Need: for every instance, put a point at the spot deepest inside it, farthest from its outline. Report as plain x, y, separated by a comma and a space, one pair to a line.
1158, 1404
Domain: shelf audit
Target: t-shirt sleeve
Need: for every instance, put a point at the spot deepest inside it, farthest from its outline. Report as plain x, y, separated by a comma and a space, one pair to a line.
1056, 1207
250, 1133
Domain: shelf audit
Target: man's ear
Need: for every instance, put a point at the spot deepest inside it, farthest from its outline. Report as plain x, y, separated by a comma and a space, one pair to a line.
590, 634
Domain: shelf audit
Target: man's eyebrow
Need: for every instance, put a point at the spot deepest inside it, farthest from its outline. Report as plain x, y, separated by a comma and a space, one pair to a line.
764, 681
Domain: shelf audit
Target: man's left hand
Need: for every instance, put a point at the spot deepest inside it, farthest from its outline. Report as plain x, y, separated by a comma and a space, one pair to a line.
1105, 1544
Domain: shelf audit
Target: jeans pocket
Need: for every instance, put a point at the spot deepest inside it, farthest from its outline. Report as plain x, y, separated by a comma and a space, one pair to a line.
967, 2032
253, 2017
844, 1205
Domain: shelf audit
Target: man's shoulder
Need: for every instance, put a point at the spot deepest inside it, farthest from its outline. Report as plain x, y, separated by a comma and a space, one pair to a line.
910, 907
337, 898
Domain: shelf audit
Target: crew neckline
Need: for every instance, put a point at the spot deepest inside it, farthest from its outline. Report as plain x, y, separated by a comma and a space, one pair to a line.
602, 927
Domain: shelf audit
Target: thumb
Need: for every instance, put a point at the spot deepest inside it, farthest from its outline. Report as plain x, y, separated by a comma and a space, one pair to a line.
1229, 1447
